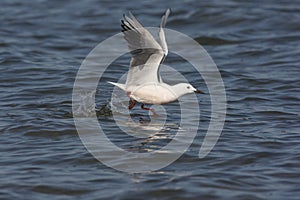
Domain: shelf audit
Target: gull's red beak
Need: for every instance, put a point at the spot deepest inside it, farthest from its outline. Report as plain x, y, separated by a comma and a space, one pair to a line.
199, 92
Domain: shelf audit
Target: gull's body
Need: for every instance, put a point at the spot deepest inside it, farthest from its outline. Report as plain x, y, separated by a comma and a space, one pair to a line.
144, 83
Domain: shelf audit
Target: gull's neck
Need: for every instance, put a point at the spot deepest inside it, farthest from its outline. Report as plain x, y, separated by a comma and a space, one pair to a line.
179, 90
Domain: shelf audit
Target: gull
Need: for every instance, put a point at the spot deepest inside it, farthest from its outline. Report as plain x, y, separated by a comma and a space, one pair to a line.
144, 83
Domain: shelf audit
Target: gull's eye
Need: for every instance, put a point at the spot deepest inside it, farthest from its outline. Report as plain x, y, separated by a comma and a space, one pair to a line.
188, 87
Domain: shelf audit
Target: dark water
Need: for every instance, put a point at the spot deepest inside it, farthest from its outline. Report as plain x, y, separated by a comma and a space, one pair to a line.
256, 47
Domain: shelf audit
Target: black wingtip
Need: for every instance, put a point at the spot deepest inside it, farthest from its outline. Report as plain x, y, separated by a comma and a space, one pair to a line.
124, 26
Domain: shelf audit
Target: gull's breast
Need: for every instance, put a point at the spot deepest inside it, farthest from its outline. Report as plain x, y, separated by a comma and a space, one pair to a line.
153, 94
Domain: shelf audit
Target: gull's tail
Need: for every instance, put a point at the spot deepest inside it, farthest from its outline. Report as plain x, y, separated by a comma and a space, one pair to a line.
119, 85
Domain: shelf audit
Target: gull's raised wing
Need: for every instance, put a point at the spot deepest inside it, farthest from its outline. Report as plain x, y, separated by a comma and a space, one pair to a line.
161, 32
147, 53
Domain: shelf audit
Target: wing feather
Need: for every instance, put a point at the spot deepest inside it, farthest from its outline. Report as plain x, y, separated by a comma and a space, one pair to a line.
147, 54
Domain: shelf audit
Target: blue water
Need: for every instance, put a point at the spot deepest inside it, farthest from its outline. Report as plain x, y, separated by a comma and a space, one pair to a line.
256, 48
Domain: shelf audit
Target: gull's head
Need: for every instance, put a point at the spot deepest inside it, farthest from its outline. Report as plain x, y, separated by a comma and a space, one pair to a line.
188, 88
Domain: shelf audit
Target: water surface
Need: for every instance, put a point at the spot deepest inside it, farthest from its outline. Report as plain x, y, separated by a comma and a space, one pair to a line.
255, 46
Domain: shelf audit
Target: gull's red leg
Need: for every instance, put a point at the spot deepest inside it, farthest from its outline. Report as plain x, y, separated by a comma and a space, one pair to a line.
131, 103
151, 109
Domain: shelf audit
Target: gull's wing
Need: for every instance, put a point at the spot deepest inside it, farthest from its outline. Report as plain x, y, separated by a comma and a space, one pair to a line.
147, 53
161, 32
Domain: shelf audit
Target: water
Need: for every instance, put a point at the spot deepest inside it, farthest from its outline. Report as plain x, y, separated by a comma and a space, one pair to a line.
256, 47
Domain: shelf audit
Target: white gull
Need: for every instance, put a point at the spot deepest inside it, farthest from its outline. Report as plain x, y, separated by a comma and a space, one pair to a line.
144, 83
